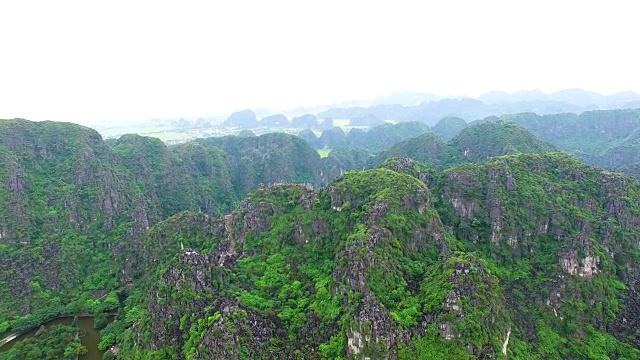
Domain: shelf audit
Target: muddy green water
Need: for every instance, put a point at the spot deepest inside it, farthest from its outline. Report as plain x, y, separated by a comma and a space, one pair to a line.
90, 337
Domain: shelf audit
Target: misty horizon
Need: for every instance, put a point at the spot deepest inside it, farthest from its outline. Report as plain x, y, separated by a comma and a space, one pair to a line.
403, 98
83, 62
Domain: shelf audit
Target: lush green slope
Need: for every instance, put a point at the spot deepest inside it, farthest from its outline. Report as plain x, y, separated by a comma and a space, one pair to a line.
381, 138
537, 252
494, 138
63, 211
302, 273
447, 128
475, 143
341, 160
72, 208
427, 148
560, 237
591, 132
607, 138
182, 177
622, 155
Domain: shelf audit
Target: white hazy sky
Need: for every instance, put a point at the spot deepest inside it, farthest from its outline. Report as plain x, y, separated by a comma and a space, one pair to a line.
100, 60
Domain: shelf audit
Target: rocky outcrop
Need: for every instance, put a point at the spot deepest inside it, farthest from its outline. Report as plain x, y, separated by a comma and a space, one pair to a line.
186, 298
545, 215
586, 267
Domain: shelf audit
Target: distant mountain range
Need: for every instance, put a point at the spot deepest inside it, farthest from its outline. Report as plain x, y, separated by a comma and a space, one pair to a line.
577, 97
412, 106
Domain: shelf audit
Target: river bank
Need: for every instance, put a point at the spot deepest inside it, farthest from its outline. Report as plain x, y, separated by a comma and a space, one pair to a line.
8, 339
90, 337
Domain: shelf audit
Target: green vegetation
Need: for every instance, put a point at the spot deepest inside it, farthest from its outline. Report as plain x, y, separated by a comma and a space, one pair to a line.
405, 261
607, 138
449, 127
74, 207
344, 159
370, 257
324, 152
427, 148
375, 140
287, 269
475, 143
57, 342
267, 159
494, 138
591, 132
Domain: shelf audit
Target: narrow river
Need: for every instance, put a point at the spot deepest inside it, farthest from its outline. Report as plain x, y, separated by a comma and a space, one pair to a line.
90, 337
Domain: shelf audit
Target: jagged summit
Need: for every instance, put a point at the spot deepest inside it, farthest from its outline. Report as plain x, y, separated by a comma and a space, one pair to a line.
385, 266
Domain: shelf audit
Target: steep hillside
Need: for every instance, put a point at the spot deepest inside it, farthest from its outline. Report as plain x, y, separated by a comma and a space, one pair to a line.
560, 236
374, 140
381, 138
447, 128
427, 148
475, 143
591, 132
607, 138
346, 270
529, 255
72, 208
479, 142
342, 160
624, 157
183, 177
267, 159
64, 208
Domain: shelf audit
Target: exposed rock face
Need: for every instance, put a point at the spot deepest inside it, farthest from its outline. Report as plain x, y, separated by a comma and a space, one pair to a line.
249, 217
231, 330
411, 167
586, 267
473, 288
513, 208
372, 326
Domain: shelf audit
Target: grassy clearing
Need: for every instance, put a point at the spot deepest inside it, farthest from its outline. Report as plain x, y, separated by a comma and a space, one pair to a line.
324, 152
